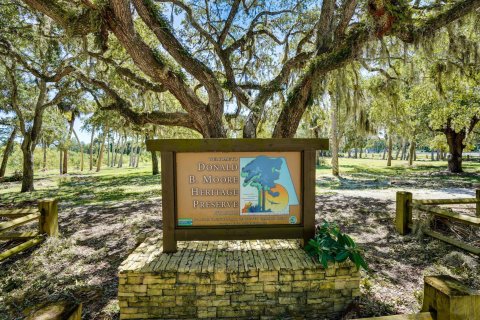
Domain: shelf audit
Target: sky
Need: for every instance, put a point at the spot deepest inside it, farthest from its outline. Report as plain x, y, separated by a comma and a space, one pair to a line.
84, 136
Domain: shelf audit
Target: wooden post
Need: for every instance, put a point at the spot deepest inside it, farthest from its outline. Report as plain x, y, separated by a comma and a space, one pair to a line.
64, 310
168, 202
450, 299
477, 206
309, 185
77, 313
404, 212
49, 217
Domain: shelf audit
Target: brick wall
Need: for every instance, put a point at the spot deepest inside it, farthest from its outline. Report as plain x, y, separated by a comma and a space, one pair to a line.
284, 282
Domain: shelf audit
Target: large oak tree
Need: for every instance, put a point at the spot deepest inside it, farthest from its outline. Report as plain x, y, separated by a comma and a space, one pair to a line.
222, 53
36, 75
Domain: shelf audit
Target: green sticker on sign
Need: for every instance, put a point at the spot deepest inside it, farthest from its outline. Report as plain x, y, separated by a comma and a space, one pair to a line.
185, 222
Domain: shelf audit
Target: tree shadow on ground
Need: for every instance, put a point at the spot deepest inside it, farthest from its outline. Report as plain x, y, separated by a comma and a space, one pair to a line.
397, 264
81, 265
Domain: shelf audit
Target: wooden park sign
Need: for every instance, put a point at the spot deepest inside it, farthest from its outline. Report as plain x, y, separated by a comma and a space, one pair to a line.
237, 189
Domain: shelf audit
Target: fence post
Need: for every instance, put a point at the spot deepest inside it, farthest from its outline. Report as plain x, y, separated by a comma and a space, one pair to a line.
49, 217
450, 299
403, 215
477, 205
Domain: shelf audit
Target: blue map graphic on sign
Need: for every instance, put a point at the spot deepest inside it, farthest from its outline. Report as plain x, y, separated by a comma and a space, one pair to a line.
266, 186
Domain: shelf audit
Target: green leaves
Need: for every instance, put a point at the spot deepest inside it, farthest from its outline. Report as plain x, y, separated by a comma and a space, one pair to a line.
330, 244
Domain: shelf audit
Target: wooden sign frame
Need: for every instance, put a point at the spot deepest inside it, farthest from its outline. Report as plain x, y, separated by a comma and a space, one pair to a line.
173, 233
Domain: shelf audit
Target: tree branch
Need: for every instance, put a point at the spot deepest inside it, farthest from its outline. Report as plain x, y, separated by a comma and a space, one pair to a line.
129, 73
170, 43
60, 73
424, 27
181, 119
324, 32
228, 22
124, 107
14, 98
348, 9
76, 24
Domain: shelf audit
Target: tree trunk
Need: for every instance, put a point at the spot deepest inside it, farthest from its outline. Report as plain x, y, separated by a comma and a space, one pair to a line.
389, 159
65, 161
27, 149
102, 148
412, 153
155, 170
132, 148
116, 150
67, 144
81, 149
138, 155
399, 150
61, 160
7, 152
455, 146
124, 143
44, 161
108, 149
360, 154
335, 140
404, 150
91, 148
432, 157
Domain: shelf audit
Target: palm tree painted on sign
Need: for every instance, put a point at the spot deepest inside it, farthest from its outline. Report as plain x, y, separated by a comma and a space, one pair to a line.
261, 173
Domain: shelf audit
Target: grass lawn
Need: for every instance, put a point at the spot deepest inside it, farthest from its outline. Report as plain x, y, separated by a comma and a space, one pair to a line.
106, 187
103, 216
373, 173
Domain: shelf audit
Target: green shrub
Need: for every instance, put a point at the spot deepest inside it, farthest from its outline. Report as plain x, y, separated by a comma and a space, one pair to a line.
330, 244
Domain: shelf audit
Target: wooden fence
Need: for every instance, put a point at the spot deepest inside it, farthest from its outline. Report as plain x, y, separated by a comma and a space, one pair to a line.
444, 298
47, 216
406, 204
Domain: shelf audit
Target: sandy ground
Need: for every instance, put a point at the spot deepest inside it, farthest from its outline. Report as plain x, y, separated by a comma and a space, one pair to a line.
394, 283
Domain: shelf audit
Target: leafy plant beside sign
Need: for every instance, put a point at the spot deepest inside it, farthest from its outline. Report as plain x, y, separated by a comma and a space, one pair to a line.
330, 244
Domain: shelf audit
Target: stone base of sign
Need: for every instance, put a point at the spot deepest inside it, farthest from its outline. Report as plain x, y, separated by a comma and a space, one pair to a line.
268, 279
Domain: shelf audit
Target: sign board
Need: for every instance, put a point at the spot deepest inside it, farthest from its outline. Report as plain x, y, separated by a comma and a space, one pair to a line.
222, 189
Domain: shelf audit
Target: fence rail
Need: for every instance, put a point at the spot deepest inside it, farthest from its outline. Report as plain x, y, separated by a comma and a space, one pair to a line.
47, 216
4, 226
446, 201
17, 213
443, 298
452, 241
404, 217
19, 235
449, 214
